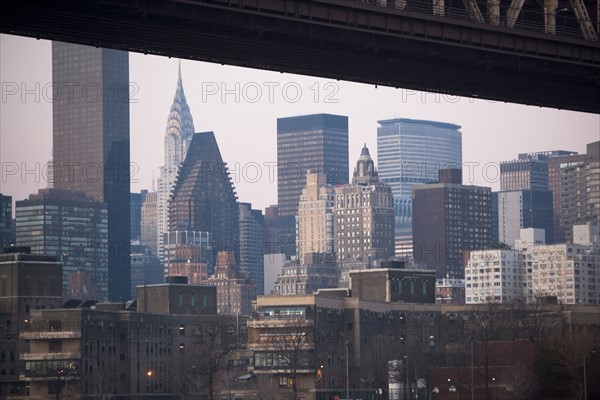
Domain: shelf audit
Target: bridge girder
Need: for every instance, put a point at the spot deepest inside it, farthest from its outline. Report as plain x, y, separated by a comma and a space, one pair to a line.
349, 40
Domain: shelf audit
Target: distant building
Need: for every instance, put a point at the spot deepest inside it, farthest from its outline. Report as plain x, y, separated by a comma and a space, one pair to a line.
203, 198
272, 245
135, 212
273, 264
71, 226
149, 222
188, 260
176, 296
90, 145
450, 291
495, 276
317, 142
449, 218
251, 242
146, 269
235, 292
554, 185
580, 190
517, 209
393, 283
411, 152
178, 137
6, 221
195, 246
28, 282
570, 272
315, 217
158, 350
364, 219
316, 271
82, 285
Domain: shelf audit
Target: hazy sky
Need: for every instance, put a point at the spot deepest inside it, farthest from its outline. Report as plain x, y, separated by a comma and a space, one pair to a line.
245, 127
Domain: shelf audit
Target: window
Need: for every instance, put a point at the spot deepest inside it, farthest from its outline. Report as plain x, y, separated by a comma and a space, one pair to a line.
204, 300
424, 287
412, 287
181, 299
193, 300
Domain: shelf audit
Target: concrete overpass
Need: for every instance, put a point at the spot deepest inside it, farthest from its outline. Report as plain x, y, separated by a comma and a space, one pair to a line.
536, 52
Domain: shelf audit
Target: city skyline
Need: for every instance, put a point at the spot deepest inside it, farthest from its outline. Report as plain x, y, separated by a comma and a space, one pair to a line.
491, 130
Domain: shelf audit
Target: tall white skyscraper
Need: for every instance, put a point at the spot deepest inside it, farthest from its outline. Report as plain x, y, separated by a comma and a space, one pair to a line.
411, 152
178, 135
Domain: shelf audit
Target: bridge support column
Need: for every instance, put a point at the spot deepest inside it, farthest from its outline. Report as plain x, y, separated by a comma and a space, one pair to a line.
494, 11
513, 12
438, 7
550, 7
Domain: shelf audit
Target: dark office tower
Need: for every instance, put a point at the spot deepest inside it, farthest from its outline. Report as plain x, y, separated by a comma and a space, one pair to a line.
517, 209
91, 142
6, 225
449, 218
580, 190
203, 197
71, 226
271, 229
135, 202
411, 152
252, 239
316, 142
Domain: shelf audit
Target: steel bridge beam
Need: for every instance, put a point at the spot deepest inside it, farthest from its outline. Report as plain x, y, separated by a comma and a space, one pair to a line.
343, 39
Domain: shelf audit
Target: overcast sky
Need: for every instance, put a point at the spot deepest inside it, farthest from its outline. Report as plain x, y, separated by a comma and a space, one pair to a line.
244, 118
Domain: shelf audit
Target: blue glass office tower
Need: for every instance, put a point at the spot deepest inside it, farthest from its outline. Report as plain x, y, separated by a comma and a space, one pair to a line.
411, 152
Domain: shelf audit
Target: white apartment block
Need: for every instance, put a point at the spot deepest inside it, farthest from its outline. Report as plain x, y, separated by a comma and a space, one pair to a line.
495, 276
569, 271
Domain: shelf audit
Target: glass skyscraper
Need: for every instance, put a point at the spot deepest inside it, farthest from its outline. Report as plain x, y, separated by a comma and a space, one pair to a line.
91, 142
411, 152
317, 142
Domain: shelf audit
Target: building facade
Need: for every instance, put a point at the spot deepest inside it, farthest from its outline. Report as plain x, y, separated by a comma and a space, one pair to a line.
496, 276
203, 198
314, 232
580, 190
518, 209
317, 142
272, 230
28, 282
6, 224
316, 271
146, 269
252, 239
235, 291
71, 226
450, 291
135, 212
411, 152
188, 260
149, 222
449, 218
178, 137
90, 148
364, 218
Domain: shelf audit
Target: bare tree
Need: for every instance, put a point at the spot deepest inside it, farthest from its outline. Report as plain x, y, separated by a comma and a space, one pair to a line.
522, 383
289, 341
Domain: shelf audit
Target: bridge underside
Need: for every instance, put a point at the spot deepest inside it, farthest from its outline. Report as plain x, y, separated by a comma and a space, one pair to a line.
347, 40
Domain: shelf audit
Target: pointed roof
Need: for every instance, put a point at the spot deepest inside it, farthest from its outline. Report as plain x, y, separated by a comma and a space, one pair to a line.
180, 126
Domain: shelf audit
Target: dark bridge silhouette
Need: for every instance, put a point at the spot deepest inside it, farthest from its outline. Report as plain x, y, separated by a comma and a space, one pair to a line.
536, 52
